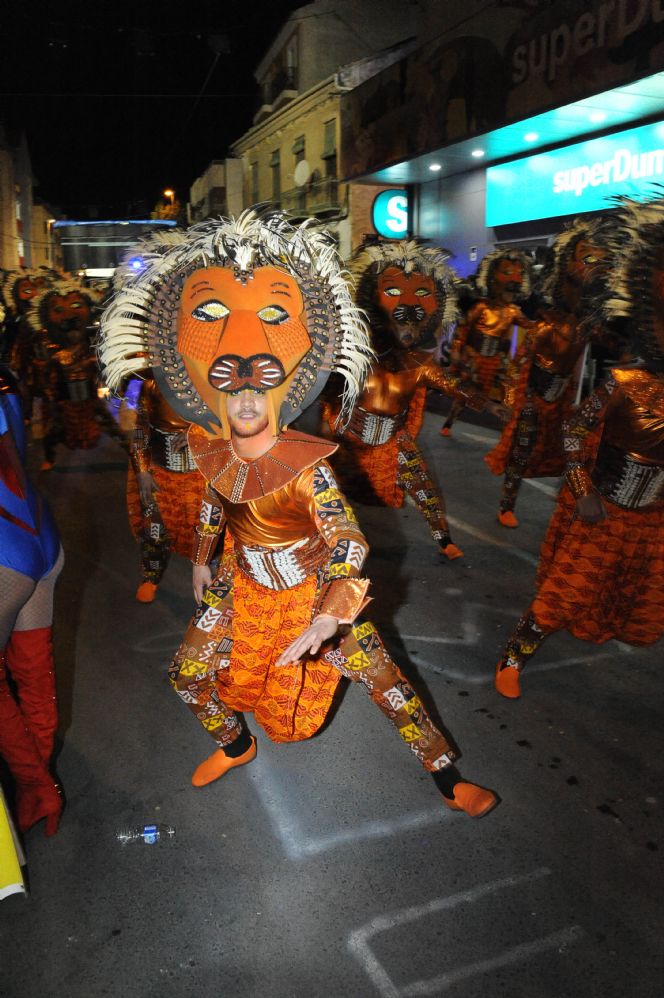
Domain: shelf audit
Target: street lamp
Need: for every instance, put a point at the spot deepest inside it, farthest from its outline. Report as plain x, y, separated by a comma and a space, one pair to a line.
168, 193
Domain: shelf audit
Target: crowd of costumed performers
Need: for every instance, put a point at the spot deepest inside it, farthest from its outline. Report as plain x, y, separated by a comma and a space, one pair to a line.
407, 291
601, 570
236, 330
486, 338
241, 325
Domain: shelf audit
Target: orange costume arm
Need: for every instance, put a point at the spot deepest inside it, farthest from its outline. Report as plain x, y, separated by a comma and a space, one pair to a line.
576, 433
209, 527
432, 376
343, 593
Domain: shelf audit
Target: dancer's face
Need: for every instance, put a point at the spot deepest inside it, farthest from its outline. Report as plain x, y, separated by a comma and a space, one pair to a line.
247, 413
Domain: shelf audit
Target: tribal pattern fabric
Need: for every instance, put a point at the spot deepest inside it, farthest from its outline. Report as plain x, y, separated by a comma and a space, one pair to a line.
167, 524
226, 664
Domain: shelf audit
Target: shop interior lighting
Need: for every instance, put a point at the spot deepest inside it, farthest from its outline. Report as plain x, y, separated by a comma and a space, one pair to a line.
435, 167
531, 137
477, 153
597, 117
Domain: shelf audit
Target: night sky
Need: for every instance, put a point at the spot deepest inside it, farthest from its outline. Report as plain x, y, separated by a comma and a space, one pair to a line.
107, 93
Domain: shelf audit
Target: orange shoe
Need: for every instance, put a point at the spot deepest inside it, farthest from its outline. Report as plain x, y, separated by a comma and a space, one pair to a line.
474, 800
219, 764
446, 431
508, 682
451, 551
146, 592
507, 518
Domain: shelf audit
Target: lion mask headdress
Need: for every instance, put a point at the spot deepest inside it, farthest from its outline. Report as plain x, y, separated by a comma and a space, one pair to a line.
407, 290
252, 302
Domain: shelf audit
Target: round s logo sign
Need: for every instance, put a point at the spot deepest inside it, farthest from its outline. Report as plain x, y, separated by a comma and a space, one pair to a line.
389, 214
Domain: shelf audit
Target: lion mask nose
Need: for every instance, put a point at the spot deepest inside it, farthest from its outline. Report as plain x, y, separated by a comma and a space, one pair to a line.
232, 373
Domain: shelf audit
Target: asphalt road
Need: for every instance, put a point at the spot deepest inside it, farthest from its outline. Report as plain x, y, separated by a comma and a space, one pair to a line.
330, 867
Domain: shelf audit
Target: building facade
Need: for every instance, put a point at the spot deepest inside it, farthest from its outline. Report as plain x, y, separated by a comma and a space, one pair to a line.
290, 156
218, 191
507, 119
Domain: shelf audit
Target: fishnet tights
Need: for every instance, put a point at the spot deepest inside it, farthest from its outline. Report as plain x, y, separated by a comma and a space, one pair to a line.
25, 604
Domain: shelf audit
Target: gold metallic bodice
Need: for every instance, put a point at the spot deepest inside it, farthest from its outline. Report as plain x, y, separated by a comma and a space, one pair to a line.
634, 429
275, 520
493, 319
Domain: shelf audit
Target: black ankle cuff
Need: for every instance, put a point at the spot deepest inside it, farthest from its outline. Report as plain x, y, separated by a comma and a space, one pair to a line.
240, 745
446, 779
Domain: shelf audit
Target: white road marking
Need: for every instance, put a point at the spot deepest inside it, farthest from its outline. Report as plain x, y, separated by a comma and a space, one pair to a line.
298, 844
466, 528
549, 490
358, 941
480, 438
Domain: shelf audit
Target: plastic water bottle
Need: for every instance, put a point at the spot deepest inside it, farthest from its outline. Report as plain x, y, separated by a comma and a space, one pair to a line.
149, 834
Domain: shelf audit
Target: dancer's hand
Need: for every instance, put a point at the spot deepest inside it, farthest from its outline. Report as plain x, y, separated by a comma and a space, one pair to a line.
179, 442
502, 412
321, 629
590, 508
146, 486
201, 579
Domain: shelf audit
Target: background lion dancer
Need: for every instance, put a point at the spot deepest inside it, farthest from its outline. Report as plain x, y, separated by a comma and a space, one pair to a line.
60, 317
242, 325
549, 365
407, 290
487, 338
163, 487
601, 571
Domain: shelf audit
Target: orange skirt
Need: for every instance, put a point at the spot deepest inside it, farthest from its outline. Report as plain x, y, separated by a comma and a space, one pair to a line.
179, 502
547, 458
79, 426
602, 580
290, 703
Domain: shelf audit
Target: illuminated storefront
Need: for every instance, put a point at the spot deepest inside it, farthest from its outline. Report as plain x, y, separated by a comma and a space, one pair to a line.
509, 122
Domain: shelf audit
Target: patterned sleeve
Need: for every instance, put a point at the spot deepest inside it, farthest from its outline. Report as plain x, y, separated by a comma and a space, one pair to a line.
435, 377
139, 447
577, 431
210, 525
343, 593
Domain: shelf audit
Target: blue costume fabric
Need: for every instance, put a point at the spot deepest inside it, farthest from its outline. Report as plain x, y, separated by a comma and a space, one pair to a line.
29, 541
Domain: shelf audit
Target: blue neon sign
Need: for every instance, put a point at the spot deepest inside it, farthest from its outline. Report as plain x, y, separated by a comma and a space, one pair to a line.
576, 179
389, 214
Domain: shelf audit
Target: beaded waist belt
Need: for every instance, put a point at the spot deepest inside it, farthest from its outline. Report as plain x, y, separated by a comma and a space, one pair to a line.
626, 482
373, 429
78, 391
282, 568
487, 346
163, 455
546, 384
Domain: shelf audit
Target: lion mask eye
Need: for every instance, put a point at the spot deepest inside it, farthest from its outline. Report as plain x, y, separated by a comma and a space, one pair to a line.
393, 292
273, 315
210, 311
422, 293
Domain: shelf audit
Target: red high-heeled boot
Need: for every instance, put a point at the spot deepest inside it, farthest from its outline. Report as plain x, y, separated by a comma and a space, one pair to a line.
30, 662
37, 795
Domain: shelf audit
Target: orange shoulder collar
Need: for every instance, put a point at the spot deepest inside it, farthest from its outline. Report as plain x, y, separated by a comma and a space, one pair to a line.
642, 387
243, 481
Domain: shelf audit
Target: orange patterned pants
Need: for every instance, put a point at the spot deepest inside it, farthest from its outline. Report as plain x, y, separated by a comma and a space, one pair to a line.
167, 524
596, 580
225, 664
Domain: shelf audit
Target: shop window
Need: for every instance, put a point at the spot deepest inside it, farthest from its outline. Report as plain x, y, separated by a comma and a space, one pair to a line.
329, 154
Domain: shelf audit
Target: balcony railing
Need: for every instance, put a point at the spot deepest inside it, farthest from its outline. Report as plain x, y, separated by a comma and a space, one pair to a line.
318, 197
